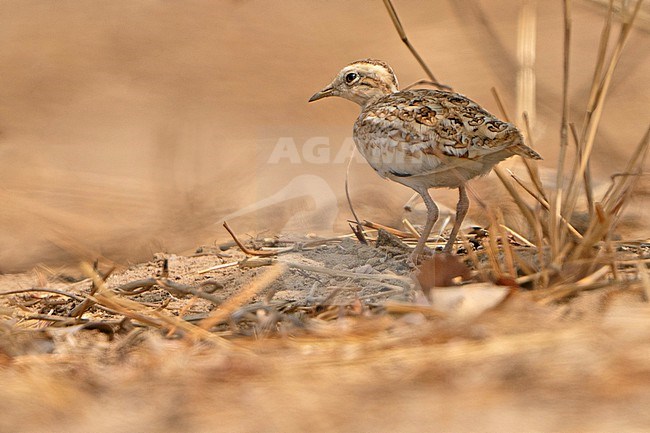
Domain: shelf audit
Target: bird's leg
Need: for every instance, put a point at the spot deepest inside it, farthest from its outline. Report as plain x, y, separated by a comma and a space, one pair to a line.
432, 217
461, 211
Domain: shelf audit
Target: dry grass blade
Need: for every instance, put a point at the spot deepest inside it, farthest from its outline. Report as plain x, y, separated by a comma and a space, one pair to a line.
507, 248
544, 204
526, 53
519, 237
539, 226
411, 228
597, 230
536, 225
402, 34
392, 231
217, 267
420, 83
633, 170
644, 275
567, 290
519, 201
358, 230
80, 309
502, 108
600, 62
491, 249
526, 267
589, 190
556, 234
594, 117
615, 199
531, 166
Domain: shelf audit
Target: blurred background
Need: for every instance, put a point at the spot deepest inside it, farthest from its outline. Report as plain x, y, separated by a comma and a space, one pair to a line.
132, 127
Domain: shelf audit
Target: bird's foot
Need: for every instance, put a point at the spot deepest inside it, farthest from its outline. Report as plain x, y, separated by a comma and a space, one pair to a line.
416, 258
449, 247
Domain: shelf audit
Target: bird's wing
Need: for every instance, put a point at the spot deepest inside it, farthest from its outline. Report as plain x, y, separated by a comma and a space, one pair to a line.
417, 132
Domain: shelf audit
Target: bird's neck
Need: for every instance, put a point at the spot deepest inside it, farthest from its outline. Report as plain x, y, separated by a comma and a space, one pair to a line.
369, 99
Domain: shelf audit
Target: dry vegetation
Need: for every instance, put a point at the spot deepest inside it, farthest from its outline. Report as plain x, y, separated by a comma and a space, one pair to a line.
542, 330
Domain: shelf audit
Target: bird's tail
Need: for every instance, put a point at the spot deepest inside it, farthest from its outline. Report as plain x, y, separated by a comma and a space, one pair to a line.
525, 151
518, 147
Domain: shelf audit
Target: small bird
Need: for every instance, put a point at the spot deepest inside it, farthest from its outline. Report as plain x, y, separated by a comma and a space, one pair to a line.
423, 138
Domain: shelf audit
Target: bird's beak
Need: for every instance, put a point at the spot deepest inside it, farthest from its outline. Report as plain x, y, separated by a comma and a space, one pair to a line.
327, 91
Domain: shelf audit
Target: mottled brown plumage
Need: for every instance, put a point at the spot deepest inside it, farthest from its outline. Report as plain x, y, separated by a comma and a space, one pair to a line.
423, 138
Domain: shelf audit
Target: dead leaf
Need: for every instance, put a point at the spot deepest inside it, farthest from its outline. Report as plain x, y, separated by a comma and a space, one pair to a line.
440, 271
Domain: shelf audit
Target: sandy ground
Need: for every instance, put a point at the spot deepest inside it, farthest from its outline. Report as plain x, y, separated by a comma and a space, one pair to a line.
326, 360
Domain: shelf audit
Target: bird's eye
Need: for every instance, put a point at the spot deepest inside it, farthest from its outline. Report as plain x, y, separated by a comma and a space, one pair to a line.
350, 77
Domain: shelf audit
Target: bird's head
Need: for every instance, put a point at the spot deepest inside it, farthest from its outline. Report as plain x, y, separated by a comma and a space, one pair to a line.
361, 82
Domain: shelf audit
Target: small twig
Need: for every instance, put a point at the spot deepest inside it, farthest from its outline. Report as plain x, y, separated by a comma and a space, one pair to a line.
256, 262
215, 268
57, 319
519, 237
502, 108
243, 248
358, 233
54, 291
390, 230
523, 207
536, 276
358, 230
176, 288
57, 292
589, 282
410, 228
81, 308
408, 206
137, 287
544, 204
140, 286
